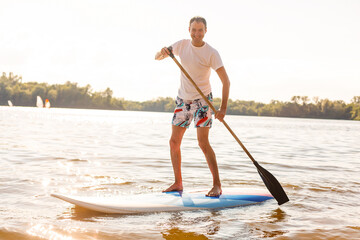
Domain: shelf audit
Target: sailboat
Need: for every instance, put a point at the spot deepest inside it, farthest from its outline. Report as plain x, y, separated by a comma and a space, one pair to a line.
10, 103
39, 102
47, 103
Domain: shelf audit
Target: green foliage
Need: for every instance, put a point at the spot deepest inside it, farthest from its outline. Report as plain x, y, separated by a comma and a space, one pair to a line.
354, 108
68, 95
71, 95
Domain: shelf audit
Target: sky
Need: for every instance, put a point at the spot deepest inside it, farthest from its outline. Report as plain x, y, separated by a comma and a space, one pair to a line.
272, 50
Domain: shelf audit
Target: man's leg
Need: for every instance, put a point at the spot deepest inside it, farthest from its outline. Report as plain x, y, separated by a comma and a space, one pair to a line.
175, 154
203, 138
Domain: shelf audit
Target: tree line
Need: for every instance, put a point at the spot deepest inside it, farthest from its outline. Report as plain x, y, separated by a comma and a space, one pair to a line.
70, 95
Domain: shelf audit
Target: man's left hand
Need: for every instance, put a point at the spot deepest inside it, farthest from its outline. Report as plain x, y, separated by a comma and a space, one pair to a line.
220, 114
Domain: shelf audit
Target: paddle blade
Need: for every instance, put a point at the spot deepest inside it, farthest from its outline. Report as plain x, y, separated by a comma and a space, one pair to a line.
272, 184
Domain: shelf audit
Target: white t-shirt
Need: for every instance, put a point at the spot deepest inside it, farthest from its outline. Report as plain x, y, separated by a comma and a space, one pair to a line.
198, 62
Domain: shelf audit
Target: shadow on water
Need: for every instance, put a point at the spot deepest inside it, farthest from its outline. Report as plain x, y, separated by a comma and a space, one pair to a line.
267, 228
82, 214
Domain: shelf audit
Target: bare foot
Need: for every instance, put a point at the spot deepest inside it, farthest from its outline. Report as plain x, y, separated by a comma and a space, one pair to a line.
174, 187
215, 192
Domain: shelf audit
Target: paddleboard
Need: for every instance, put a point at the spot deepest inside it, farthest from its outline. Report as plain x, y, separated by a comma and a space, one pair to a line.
170, 201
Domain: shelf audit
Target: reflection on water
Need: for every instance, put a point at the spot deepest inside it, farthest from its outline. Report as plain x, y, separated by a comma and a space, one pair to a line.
45, 231
48, 232
81, 214
277, 215
115, 153
172, 230
210, 225
176, 233
265, 228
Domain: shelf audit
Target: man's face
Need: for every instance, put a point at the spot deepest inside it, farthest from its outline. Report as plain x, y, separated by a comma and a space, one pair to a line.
197, 31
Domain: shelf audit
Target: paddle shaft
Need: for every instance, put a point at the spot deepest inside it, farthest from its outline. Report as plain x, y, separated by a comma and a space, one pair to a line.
211, 106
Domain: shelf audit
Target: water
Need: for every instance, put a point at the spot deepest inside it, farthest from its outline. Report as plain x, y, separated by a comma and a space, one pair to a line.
96, 152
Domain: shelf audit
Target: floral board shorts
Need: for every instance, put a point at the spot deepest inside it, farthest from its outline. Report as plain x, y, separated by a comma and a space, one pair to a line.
185, 111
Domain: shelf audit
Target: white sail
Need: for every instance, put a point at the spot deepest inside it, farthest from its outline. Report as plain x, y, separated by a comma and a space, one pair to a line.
39, 102
10, 103
47, 103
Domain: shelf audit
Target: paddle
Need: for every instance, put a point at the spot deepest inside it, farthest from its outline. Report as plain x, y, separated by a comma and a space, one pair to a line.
270, 181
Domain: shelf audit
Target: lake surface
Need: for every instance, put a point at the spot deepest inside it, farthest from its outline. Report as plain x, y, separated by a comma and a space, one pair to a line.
115, 153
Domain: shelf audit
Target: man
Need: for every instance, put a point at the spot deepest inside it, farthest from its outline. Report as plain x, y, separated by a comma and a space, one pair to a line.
198, 58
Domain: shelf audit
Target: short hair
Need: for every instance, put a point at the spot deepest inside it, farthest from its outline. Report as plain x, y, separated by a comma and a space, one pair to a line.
198, 19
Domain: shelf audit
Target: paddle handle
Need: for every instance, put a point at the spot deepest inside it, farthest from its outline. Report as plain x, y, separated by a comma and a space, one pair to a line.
210, 104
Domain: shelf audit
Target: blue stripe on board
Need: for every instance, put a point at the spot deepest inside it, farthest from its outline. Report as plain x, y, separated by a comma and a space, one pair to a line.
199, 200
222, 203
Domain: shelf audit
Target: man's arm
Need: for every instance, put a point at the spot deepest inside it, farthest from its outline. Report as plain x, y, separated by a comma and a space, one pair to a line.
225, 93
163, 53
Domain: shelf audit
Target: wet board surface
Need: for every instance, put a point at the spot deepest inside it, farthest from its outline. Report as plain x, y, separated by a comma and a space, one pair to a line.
171, 201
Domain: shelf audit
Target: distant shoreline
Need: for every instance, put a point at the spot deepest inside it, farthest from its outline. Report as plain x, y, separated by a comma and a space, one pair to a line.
70, 95
149, 111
